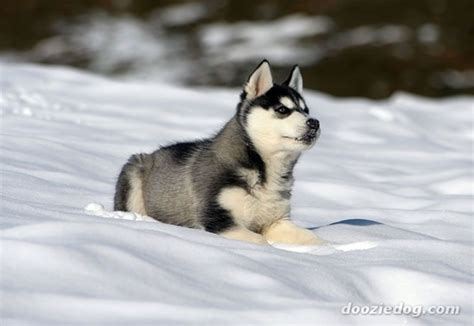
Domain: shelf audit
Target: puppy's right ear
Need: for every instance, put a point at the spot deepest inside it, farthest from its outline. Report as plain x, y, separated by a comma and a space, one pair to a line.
260, 81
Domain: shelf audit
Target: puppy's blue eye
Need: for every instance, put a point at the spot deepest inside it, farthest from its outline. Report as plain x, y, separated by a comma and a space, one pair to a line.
282, 110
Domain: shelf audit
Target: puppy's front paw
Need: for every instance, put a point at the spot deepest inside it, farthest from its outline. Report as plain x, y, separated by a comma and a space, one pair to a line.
314, 241
308, 238
288, 233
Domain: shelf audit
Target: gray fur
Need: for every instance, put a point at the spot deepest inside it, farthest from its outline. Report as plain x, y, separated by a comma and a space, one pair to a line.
181, 183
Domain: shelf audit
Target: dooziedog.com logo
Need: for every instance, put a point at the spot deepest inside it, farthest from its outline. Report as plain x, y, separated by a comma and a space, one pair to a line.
399, 309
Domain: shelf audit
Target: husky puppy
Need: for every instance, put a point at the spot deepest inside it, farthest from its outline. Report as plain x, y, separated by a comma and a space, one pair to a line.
237, 183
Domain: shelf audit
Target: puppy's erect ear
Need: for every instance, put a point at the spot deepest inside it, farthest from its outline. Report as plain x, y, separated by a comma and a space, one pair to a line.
295, 80
260, 81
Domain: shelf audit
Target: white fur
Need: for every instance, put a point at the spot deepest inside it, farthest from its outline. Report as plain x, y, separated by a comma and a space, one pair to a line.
135, 202
285, 231
302, 105
243, 234
263, 205
271, 134
250, 176
286, 101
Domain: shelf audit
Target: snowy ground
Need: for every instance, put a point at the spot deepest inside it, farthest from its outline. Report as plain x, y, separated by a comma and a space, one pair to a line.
389, 186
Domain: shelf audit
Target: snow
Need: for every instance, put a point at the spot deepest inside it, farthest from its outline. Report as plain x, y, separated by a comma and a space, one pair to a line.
182, 14
277, 40
428, 33
389, 186
183, 44
107, 43
457, 79
365, 35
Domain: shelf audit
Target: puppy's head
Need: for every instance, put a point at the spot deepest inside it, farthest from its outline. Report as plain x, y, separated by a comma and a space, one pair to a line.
275, 116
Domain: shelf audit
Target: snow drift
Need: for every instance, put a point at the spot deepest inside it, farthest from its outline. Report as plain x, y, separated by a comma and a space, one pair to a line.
389, 185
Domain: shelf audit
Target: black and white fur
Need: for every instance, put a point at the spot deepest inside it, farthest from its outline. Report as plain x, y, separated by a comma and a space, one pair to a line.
237, 183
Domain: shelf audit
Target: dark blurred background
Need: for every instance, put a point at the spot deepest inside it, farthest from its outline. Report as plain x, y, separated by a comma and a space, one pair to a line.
368, 48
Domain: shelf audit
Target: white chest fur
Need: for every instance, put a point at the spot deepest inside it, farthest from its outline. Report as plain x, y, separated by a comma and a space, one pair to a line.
265, 202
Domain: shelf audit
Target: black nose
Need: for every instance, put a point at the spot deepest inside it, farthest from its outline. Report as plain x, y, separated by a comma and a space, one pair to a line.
313, 124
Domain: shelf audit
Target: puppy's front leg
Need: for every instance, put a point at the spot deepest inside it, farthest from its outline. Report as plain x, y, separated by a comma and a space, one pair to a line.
243, 234
285, 231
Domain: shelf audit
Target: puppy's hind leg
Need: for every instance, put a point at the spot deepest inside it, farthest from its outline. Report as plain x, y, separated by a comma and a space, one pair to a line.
243, 234
129, 188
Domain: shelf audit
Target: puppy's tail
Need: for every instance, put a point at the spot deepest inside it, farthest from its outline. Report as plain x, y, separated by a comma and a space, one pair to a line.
129, 189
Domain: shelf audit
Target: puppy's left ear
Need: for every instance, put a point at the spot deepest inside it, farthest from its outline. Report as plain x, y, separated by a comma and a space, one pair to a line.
295, 80
260, 81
